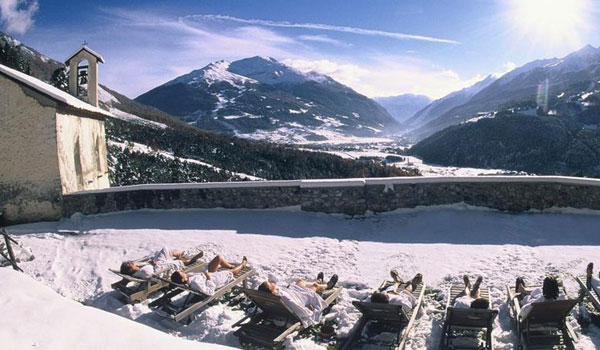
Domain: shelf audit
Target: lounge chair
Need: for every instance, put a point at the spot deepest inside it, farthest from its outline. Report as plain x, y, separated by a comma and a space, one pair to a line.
590, 293
545, 326
183, 310
461, 323
135, 290
388, 317
270, 327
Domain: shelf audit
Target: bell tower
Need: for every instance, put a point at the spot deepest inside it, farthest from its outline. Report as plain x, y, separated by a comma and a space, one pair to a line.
83, 74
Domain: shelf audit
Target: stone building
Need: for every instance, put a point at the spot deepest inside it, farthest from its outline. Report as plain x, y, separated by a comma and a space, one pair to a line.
51, 144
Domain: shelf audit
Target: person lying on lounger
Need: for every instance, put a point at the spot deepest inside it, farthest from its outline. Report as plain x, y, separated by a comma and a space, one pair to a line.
549, 291
398, 293
301, 297
210, 279
471, 296
164, 259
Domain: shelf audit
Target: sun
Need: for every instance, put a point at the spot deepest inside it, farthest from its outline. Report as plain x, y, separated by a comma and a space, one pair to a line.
551, 22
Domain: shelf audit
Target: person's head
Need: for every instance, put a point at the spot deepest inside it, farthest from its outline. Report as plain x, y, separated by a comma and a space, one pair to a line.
268, 287
179, 277
378, 297
129, 268
480, 303
550, 288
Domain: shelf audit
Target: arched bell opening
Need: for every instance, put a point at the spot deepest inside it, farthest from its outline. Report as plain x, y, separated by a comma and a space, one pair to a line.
83, 77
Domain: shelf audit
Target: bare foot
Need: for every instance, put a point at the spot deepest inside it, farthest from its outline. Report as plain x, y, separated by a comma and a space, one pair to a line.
416, 280
476, 286
244, 261
395, 276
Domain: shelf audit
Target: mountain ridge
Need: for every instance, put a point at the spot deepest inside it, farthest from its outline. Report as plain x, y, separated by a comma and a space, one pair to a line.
262, 98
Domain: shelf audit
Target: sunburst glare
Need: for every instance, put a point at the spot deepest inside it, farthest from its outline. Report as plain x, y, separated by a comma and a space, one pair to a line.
552, 23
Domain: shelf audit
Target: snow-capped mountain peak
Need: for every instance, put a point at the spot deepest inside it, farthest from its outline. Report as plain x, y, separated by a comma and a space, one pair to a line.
214, 72
268, 70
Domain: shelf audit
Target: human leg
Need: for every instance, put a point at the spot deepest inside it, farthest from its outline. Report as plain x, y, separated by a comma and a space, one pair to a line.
219, 261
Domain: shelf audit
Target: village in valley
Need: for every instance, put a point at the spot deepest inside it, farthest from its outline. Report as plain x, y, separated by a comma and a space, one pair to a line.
299, 176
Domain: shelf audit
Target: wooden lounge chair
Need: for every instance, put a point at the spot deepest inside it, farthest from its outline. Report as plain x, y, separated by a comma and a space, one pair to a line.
135, 290
591, 293
545, 327
467, 323
183, 310
270, 327
388, 317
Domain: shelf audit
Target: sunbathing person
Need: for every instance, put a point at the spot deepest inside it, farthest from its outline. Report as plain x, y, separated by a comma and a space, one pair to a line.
471, 296
302, 298
399, 293
164, 259
210, 279
549, 291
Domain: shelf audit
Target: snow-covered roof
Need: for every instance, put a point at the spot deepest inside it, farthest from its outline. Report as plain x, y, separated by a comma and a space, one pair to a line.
51, 91
90, 51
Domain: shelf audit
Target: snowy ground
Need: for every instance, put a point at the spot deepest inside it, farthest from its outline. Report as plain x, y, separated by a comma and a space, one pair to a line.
443, 243
379, 151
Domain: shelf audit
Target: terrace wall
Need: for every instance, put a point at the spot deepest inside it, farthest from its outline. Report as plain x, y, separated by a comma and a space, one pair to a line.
349, 196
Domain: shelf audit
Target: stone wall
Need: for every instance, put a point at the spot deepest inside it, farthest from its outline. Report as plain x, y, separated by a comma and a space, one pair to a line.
352, 196
29, 174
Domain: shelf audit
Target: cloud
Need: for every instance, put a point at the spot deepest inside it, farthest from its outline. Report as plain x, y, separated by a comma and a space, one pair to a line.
144, 49
16, 16
506, 67
390, 75
318, 26
324, 39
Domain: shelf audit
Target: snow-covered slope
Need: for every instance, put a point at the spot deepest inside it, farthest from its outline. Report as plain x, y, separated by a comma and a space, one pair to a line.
72, 257
262, 98
402, 107
36, 317
576, 70
446, 103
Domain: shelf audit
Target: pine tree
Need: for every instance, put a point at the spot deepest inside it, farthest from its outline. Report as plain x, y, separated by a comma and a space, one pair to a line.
60, 79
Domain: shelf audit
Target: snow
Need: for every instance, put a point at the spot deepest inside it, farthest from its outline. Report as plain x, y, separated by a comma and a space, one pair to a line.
92, 52
218, 71
443, 243
328, 121
51, 91
295, 111
138, 147
438, 170
323, 183
55, 322
128, 117
243, 115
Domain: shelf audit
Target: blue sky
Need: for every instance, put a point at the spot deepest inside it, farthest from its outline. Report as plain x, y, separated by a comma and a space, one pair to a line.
379, 48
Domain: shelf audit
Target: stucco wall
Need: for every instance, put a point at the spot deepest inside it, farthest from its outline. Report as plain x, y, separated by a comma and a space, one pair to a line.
81, 153
352, 196
29, 174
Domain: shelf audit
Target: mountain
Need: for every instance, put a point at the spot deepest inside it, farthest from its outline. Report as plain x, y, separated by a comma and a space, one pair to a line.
147, 145
262, 98
562, 138
39, 66
446, 103
402, 107
536, 144
572, 73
